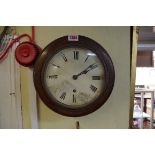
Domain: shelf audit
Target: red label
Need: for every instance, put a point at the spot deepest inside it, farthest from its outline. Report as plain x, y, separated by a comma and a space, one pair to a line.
73, 38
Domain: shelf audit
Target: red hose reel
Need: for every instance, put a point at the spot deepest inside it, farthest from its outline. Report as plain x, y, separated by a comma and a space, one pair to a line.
26, 53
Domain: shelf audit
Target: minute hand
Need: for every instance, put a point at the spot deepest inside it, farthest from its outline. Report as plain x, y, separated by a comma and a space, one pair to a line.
89, 68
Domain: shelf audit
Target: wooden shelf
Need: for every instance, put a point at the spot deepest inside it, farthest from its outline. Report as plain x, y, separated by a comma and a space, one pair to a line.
145, 94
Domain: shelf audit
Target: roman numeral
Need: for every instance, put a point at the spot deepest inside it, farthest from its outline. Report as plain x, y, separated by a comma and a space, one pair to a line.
76, 55
93, 88
63, 95
74, 98
86, 58
53, 76
64, 57
96, 78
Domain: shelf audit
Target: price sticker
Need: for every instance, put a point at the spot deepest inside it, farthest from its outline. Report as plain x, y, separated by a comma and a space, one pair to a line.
73, 38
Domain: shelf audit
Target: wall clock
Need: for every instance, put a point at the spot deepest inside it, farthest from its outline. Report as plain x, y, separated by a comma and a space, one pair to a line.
74, 75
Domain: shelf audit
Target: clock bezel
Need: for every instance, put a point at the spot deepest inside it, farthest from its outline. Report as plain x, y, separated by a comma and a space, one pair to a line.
54, 47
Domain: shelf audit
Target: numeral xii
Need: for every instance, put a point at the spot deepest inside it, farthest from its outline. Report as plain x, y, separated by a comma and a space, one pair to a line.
76, 55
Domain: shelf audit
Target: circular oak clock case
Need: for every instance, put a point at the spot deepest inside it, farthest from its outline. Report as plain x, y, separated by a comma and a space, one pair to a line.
53, 48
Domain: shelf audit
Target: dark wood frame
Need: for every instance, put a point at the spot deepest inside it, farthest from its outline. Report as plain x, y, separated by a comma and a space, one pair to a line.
50, 51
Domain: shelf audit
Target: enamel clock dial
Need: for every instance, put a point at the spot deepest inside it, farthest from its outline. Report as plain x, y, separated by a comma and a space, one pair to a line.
74, 76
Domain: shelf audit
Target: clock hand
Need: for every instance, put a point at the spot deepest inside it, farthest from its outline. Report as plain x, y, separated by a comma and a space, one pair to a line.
89, 68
